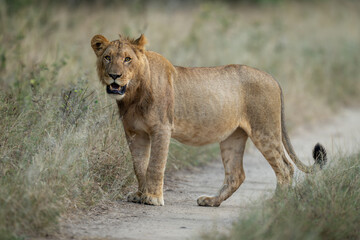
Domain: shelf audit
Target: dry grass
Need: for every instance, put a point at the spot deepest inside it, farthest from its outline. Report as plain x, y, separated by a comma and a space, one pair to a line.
322, 206
62, 145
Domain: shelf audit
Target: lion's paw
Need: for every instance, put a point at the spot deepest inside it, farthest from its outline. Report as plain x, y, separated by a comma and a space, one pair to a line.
206, 201
152, 200
134, 197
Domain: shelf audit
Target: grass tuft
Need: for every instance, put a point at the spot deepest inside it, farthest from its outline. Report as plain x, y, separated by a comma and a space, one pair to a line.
323, 206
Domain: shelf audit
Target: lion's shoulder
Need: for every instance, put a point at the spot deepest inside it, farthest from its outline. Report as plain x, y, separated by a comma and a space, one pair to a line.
156, 58
159, 64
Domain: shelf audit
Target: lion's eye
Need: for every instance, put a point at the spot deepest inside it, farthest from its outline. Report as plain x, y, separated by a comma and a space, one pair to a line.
107, 58
127, 59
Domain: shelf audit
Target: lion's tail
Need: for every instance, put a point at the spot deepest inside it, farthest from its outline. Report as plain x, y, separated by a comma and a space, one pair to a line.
319, 152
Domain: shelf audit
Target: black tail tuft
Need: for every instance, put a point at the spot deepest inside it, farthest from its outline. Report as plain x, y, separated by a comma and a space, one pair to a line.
319, 155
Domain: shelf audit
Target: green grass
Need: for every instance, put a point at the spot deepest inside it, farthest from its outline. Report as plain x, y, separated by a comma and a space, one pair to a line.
323, 206
62, 146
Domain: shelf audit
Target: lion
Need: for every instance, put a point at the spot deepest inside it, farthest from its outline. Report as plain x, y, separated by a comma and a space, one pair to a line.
228, 104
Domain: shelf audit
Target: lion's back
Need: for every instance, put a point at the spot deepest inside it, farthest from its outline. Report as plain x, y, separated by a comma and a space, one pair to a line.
214, 100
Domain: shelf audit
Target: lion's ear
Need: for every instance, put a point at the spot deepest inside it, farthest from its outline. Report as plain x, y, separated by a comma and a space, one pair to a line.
141, 42
99, 44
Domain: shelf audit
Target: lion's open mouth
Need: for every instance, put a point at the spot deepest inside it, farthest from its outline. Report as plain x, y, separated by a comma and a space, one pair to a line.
115, 88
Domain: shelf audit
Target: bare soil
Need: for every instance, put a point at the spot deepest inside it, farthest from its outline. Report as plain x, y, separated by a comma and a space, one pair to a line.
181, 218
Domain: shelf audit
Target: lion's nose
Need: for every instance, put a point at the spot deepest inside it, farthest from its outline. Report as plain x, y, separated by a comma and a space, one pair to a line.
114, 76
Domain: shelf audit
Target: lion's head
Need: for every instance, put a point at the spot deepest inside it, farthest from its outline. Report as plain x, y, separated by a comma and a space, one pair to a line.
118, 62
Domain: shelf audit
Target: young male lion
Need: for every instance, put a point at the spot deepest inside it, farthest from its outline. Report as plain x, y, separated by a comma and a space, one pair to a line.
196, 106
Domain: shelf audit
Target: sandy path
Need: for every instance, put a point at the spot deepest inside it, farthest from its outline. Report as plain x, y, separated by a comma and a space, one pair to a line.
181, 218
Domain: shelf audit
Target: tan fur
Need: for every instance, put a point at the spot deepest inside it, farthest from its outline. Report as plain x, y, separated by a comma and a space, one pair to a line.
196, 106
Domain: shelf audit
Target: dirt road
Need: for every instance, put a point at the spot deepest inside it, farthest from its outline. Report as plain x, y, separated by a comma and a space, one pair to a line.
181, 218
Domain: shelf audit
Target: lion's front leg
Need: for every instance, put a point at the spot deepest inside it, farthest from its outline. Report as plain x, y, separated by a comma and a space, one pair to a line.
160, 140
139, 145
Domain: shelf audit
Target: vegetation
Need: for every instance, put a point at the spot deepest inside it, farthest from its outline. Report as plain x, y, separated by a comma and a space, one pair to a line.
62, 144
323, 206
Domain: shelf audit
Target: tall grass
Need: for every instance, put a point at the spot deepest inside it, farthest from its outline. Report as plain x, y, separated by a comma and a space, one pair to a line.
323, 206
62, 144
51, 158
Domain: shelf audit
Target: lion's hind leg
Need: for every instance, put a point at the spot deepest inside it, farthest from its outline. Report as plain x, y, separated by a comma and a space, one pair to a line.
270, 145
232, 151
